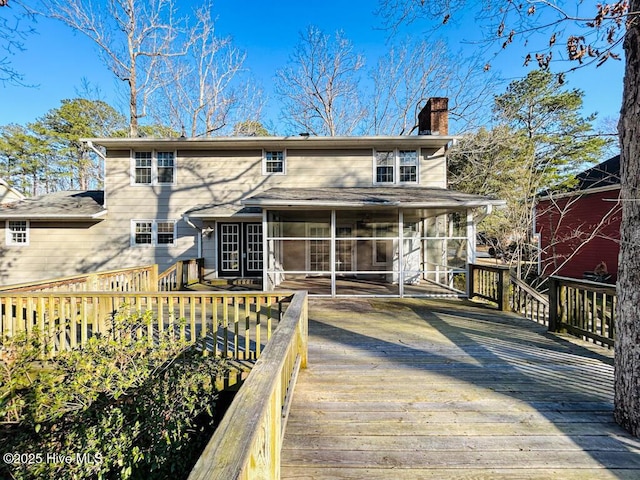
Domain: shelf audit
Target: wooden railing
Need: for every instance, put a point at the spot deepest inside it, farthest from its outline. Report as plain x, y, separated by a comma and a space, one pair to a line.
247, 443
527, 301
226, 324
490, 283
583, 308
133, 279
181, 274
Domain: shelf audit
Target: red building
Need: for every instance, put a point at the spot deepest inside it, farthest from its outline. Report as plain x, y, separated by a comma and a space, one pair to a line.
579, 229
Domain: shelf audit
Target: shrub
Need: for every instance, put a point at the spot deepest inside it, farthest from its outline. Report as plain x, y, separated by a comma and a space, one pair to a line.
119, 407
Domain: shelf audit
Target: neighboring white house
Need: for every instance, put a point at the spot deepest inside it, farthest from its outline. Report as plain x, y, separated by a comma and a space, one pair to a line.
333, 215
8, 194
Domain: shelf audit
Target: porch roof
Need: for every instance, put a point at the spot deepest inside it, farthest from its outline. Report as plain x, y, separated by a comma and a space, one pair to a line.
66, 206
223, 210
409, 197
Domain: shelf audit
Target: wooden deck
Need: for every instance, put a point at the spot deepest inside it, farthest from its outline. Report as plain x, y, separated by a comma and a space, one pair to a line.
440, 389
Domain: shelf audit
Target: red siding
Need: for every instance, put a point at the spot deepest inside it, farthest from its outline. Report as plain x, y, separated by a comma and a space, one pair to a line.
578, 232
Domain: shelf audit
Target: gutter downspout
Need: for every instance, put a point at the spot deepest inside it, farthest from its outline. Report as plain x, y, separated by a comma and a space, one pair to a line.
487, 211
188, 221
104, 170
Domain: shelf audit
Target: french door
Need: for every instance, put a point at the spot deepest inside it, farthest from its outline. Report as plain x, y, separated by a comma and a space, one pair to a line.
240, 249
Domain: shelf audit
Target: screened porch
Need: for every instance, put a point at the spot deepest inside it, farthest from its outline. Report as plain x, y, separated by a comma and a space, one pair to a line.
368, 251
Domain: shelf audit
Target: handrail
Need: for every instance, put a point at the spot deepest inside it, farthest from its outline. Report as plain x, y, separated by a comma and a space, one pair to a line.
583, 308
528, 302
490, 283
181, 274
141, 278
247, 443
226, 324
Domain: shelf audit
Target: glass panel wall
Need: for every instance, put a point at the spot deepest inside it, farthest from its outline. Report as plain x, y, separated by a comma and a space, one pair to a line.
367, 252
435, 252
299, 251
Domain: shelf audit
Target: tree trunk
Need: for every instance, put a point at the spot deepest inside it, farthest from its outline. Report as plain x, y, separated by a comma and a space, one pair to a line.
627, 346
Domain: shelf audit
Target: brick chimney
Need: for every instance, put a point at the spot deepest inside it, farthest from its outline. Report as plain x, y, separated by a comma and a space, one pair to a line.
433, 119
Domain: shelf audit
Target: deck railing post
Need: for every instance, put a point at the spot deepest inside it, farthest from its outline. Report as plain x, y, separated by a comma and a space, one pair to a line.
179, 275
503, 289
553, 304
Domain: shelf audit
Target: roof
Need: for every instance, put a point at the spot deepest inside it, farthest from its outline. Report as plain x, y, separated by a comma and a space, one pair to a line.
215, 210
297, 141
8, 193
416, 197
67, 205
604, 174
602, 177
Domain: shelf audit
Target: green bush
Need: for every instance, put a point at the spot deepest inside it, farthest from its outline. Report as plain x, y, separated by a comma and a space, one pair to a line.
119, 407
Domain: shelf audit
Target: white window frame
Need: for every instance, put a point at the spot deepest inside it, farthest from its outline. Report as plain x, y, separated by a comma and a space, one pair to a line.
9, 234
154, 168
154, 233
396, 166
264, 162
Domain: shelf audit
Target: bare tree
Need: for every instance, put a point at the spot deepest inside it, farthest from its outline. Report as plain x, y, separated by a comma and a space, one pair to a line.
412, 72
319, 87
201, 91
133, 36
13, 32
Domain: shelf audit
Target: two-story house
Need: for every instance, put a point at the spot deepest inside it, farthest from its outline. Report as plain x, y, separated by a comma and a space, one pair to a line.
333, 215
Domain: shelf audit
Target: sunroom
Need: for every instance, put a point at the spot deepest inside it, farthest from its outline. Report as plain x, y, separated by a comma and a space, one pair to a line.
396, 242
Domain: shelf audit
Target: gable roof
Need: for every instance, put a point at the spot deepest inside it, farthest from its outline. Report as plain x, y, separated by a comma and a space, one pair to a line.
68, 206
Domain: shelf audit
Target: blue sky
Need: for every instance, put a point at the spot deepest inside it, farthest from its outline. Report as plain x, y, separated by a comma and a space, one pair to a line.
57, 61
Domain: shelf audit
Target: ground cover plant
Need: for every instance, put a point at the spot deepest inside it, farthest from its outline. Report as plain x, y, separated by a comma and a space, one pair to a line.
121, 406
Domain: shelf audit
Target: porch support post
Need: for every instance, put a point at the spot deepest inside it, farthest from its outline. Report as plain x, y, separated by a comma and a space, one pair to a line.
265, 252
401, 252
471, 248
332, 253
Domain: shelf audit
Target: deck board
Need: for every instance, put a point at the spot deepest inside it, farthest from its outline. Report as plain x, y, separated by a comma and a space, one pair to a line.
413, 389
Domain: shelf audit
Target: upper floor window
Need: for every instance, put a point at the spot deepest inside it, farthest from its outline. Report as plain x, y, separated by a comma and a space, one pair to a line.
17, 232
154, 168
385, 164
408, 161
153, 232
396, 166
273, 161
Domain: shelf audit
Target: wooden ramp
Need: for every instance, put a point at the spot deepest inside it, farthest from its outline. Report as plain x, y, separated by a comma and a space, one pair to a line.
441, 389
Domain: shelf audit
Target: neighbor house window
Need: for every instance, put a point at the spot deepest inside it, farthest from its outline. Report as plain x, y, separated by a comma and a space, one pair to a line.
17, 232
273, 162
153, 232
153, 168
395, 166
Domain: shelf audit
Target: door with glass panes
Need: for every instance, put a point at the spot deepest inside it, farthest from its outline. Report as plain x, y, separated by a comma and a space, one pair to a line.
240, 249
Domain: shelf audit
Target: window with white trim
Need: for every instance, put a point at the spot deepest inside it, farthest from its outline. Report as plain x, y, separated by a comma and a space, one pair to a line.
273, 162
153, 232
385, 164
395, 166
17, 232
153, 168
408, 166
